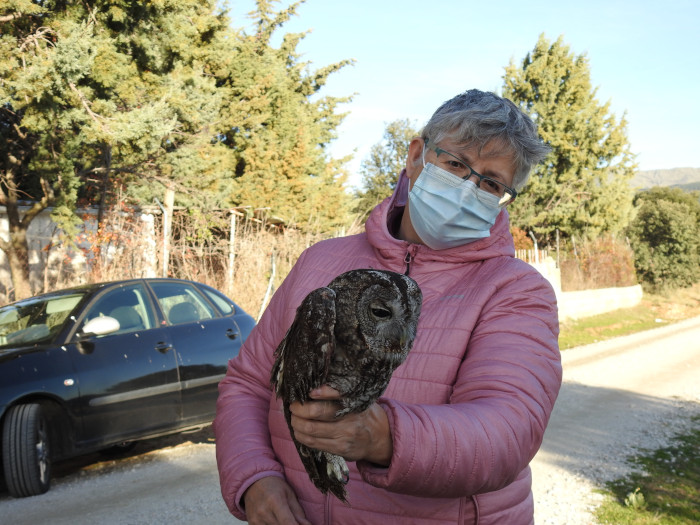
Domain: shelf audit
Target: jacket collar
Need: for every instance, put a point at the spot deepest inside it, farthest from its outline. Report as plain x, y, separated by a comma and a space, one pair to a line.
389, 248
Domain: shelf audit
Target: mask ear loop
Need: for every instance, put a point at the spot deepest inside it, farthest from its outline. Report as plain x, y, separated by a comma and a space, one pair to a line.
425, 143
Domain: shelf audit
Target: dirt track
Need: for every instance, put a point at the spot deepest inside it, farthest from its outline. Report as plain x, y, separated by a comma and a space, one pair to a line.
619, 395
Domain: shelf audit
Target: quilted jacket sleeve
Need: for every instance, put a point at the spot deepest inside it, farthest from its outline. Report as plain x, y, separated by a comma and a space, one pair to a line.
243, 448
500, 404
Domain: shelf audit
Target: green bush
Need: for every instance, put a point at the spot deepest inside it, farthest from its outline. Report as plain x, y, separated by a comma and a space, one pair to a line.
665, 238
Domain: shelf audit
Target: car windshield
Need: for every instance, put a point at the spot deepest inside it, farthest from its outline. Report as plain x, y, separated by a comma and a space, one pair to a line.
35, 320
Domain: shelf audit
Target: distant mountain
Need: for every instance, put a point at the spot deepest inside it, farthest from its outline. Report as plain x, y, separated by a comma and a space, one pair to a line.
691, 186
686, 178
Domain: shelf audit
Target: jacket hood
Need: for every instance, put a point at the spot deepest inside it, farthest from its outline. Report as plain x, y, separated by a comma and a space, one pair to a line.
498, 244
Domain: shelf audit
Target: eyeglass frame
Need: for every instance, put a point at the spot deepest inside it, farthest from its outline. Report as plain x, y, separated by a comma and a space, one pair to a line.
472, 172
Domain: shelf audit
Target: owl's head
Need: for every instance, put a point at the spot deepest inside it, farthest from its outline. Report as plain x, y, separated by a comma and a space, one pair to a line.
386, 306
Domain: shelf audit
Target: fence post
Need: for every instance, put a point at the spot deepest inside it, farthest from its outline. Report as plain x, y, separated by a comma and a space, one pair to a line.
231, 252
537, 255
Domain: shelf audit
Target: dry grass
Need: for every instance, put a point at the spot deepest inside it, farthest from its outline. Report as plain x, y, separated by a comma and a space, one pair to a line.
261, 256
604, 262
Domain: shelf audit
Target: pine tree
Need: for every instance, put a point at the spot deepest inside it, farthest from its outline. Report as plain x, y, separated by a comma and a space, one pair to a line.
135, 99
278, 127
37, 122
583, 187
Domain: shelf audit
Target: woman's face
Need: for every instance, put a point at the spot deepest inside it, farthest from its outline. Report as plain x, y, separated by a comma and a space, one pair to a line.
492, 161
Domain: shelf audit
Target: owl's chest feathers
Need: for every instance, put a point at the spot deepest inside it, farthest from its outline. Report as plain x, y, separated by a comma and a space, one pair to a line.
363, 374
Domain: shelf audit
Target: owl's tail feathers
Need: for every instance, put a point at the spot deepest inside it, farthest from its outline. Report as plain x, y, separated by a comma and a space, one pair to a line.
328, 472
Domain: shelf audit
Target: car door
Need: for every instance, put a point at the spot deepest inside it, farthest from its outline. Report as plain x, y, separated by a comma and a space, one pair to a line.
128, 379
204, 341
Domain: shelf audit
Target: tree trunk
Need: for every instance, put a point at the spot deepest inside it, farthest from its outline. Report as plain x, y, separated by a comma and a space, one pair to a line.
167, 226
17, 248
107, 155
19, 271
17, 252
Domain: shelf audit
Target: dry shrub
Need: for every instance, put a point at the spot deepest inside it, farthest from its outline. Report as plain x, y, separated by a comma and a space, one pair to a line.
605, 262
128, 245
263, 255
520, 238
119, 248
263, 258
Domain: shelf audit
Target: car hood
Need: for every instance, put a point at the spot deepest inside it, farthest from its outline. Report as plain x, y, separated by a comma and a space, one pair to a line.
17, 351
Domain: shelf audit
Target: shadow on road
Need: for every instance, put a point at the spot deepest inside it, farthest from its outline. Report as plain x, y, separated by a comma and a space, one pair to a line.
593, 430
106, 460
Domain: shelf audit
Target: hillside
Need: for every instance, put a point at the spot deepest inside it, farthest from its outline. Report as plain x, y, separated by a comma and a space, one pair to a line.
686, 178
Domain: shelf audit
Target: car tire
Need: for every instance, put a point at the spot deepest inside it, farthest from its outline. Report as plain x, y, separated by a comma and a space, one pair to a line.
26, 454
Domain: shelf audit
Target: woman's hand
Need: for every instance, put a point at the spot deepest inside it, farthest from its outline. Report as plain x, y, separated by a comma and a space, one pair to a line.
356, 436
271, 501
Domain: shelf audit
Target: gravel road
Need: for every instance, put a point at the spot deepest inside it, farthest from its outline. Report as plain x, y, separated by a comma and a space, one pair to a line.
618, 396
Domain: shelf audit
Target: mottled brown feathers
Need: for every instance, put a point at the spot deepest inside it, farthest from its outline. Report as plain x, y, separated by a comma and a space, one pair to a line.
350, 335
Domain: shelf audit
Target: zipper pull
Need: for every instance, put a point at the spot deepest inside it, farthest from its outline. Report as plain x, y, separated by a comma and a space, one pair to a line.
407, 260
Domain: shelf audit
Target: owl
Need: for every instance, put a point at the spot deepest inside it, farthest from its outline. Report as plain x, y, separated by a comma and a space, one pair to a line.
350, 335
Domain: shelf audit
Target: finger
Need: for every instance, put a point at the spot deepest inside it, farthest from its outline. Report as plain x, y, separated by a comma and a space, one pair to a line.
298, 512
324, 392
321, 410
333, 437
271, 501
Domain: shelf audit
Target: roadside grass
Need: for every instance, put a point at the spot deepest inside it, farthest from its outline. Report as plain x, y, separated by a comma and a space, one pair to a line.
652, 312
666, 491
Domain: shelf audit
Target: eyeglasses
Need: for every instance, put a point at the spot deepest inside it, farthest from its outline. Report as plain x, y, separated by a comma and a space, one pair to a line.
461, 169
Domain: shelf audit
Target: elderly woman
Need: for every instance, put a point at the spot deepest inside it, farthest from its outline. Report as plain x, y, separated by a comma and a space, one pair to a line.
451, 439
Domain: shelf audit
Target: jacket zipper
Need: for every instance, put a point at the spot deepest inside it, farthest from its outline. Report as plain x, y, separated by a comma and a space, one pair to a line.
410, 255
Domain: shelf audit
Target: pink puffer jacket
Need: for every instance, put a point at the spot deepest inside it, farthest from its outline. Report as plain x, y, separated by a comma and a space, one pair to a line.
467, 410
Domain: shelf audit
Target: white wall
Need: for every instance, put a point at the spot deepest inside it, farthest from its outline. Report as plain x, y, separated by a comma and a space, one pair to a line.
585, 303
48, 249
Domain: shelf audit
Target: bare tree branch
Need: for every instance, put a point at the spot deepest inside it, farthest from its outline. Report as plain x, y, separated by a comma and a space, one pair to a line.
10, 17
86, 104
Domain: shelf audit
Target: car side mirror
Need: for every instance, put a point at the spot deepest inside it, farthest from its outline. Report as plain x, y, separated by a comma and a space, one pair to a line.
97, 326
100, 326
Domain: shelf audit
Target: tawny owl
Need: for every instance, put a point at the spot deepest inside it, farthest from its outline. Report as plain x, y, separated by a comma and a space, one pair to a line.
350, 335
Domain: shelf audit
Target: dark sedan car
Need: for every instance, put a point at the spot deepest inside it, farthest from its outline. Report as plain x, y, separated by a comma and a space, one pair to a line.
100, 365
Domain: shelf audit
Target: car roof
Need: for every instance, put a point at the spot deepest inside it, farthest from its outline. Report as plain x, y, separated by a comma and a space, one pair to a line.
92, 287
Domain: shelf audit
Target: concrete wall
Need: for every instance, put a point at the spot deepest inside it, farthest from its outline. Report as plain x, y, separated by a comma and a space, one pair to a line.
53, 261
585, 303
46, 249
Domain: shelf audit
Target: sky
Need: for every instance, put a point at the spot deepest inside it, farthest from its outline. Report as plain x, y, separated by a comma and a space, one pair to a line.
410, 56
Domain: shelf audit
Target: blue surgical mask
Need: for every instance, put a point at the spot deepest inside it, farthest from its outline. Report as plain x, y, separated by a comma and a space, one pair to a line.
447, 211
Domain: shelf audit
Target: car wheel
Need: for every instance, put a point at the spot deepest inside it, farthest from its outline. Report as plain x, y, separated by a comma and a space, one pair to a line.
25, 450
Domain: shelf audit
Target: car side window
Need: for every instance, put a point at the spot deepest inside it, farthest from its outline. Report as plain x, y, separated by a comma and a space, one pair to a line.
129, 305
222, 303
182, 303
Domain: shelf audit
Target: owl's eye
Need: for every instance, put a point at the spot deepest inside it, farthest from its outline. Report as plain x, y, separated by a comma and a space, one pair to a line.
381, 313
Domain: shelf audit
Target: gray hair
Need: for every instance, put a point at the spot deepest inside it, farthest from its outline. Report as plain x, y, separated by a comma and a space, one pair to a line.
476, 118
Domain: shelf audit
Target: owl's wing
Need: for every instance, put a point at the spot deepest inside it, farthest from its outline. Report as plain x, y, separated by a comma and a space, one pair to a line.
303, 357
302, 361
